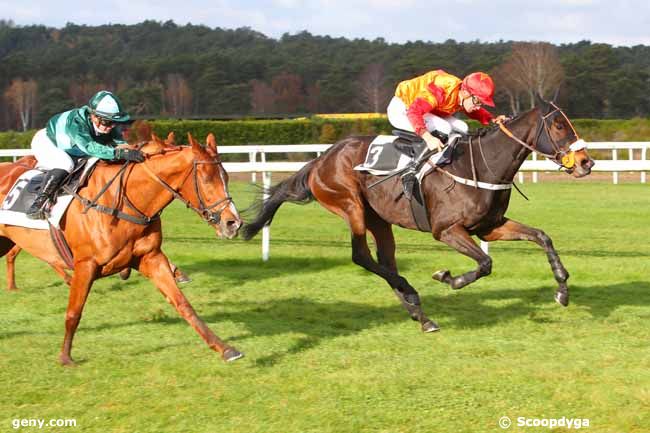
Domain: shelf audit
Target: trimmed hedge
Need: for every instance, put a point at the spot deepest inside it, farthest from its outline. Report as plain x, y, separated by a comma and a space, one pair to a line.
322, 130
16, 140
239, 132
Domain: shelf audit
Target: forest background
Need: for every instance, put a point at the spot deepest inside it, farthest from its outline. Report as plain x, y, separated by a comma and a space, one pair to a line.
164, 70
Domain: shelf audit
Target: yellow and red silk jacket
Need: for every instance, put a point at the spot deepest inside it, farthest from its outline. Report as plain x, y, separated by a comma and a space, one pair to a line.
435, 92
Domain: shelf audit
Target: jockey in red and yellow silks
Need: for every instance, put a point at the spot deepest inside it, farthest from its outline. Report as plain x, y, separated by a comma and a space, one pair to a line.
426, 103
437, 92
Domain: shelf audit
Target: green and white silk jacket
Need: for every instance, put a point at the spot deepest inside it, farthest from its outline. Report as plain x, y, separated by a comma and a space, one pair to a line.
73, 132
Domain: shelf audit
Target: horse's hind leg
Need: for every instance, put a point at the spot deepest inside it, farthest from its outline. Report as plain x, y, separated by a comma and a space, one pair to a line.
11, 267
344, 199
61, 271
459, 239
155, 266
82, 279
514, 231
385, 241
179, 275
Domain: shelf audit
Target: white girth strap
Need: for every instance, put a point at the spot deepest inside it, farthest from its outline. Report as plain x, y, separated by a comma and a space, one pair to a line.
479, 184
426, 168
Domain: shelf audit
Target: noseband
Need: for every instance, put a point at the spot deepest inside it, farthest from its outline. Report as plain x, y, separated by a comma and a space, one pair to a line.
565, 159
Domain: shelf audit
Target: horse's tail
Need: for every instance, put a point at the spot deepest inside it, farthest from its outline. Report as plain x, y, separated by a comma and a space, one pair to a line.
294, 189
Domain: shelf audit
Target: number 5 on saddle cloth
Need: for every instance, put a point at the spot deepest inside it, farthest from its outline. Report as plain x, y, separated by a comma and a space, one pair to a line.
26, 188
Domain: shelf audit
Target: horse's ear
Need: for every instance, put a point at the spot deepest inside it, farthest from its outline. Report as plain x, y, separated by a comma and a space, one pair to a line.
157, 139
195, 144
211, 142
540, 102
556, 94
154, 143
171, 139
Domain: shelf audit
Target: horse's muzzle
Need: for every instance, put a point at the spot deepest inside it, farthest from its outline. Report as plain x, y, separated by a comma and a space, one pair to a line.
583, 164
229, 226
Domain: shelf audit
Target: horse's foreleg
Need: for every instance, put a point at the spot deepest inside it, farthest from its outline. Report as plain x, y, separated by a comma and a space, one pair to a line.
155, 266
385, 241
82, 279
515, 231
459, 239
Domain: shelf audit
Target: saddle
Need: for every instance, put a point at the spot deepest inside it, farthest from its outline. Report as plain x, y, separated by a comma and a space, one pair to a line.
406, 154
28, 185
34, 184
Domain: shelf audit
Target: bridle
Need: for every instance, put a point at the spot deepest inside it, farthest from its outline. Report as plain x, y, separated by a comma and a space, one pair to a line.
562, 157
204, 210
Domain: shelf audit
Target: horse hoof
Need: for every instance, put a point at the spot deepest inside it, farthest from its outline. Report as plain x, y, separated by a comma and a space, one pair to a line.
562, 298
125, 273
441, 276
430, 327
182, 278
66, 361
230, 355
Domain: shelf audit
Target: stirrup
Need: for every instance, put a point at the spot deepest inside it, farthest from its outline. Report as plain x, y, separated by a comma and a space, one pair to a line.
37, 212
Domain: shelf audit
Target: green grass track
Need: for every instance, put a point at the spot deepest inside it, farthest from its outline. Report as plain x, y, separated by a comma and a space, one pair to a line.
328, 347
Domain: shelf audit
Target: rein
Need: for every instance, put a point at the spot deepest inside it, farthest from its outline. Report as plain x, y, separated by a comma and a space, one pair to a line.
205, 211
565, 159
561, 157
140, 219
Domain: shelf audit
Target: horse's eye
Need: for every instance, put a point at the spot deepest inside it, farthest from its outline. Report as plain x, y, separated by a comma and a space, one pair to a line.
559, 126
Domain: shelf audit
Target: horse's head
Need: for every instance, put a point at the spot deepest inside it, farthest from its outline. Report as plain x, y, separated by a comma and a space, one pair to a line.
206, 188
556, 139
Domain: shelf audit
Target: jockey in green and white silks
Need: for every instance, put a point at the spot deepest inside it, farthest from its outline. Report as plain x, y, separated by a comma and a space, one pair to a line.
92, 130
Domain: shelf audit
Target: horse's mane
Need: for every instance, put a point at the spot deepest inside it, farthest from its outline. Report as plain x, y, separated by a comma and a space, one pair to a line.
140, 133
483, 131
137, 132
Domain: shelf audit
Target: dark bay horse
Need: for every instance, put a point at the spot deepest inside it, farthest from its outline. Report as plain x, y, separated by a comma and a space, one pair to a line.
456, 211
103, 244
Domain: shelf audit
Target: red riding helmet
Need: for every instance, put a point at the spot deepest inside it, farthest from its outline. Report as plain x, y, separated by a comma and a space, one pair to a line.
480, 85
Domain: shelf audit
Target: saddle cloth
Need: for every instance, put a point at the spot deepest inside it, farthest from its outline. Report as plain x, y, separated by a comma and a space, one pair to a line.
386, 155
25, 189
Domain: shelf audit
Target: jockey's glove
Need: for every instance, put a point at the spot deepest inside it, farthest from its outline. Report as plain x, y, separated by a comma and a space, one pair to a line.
133, 155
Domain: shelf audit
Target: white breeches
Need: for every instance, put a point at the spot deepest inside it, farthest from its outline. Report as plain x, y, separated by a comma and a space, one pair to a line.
397, 117
48, 155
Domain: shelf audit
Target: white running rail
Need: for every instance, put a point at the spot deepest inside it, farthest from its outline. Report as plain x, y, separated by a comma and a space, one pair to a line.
615, 165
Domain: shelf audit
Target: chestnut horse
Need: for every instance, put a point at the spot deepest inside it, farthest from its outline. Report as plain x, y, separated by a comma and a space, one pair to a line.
105, 243
456, 211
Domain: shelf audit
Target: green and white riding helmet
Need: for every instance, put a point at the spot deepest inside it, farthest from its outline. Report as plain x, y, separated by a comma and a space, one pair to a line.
107, 106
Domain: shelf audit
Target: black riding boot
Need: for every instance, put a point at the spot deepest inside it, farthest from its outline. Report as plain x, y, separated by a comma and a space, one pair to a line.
410, 175
53, 179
